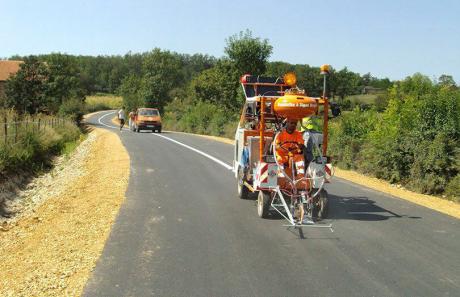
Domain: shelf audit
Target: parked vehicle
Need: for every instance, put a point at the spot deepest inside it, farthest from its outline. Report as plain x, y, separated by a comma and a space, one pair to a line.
146, 119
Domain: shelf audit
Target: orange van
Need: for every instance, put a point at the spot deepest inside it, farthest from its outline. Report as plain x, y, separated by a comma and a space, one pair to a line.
146, 119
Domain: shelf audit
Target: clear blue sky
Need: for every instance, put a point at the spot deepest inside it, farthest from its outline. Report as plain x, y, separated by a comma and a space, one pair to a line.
387, 38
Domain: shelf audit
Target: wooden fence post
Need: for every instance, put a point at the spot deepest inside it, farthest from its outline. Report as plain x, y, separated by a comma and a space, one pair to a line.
6, 128
15, 129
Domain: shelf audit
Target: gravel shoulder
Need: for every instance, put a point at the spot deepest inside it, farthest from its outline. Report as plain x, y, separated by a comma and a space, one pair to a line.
65, 218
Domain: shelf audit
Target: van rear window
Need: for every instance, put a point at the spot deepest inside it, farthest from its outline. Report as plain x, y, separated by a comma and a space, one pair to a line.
148, 112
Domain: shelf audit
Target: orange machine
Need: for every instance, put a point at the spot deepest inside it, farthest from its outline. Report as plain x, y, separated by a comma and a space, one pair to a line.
269, 103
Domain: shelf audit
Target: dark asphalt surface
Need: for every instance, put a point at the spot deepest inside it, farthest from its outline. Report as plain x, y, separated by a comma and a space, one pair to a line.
182, 231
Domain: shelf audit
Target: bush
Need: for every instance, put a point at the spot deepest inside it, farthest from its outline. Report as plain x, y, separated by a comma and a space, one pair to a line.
381, 102
74, 109
201, 117
453, 189
31, 148
432, 167
348, 134
414, 141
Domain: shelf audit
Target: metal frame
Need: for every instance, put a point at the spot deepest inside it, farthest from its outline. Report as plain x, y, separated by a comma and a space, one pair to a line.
278, 201
306, 223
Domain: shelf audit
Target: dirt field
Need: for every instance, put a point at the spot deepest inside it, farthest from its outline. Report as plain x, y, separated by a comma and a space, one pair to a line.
52, 251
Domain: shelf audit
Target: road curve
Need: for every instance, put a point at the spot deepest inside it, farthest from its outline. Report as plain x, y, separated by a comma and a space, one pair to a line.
183, 232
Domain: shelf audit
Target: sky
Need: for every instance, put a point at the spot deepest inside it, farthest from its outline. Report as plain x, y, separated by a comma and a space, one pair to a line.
389, 38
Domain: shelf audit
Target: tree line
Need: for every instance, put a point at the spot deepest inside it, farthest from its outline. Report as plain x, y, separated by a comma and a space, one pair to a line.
157, 77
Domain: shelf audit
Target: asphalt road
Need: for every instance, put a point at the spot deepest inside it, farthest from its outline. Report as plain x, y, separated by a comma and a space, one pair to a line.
183, 231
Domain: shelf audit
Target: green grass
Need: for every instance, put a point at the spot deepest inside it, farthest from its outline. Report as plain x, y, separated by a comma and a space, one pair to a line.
70, 146
32, 148
103, 102
364, 98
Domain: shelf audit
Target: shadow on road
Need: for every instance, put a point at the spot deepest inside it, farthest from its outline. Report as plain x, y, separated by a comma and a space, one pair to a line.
360, 208
348, 208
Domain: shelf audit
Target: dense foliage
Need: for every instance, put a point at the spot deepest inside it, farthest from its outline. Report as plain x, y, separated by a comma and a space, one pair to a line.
415, 141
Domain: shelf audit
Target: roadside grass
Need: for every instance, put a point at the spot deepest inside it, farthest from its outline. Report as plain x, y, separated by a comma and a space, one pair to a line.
362, 99
103, 102
70, 146
32, 140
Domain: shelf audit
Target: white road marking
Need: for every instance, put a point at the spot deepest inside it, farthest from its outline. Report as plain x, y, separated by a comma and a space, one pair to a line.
197, 151
229, 167
99, 120
109, 126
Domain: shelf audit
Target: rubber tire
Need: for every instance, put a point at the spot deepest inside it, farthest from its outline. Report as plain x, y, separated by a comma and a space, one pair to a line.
263, 204
243, 191
159, 130
323, 207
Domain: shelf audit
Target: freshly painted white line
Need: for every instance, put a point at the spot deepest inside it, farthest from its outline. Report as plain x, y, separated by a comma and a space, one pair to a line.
197, 151
176, 142
109, 126
99, 120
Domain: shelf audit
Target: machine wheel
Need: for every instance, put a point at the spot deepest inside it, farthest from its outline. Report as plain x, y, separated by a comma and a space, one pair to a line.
263, 204
243, 191
322, 206
159, 130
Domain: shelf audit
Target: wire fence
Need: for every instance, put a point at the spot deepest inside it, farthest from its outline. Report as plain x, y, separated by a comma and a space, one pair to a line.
12, 128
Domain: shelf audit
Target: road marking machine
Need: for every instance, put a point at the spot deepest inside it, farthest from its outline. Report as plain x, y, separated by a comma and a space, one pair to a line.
289, 174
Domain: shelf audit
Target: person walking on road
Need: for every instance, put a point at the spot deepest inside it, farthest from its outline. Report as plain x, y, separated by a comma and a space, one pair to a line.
131, 120
122, 117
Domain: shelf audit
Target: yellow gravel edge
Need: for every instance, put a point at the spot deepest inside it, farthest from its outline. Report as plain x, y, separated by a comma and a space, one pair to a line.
445, 206
54, 252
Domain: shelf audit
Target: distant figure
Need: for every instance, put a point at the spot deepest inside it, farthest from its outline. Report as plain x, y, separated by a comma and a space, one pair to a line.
311, 128
122, 117
131, 120
335, 109
310, 124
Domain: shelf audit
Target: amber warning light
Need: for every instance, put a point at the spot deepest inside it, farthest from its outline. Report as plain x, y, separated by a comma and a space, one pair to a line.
290, 79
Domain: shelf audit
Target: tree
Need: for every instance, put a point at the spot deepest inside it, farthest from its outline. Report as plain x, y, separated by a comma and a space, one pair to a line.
249, 54
25, 91
218, 85
64, 81
278, 68
162, 73
344, 83
447, 81
130, 91
193, 65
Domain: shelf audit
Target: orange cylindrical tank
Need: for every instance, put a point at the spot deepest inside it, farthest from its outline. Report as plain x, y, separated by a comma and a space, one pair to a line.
295, 107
